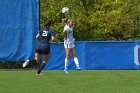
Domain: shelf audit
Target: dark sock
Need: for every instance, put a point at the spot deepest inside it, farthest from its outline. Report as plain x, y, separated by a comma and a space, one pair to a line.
33, 61
41, 67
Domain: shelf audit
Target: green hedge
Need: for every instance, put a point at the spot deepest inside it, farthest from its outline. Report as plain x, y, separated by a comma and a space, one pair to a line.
16, 65
95, 19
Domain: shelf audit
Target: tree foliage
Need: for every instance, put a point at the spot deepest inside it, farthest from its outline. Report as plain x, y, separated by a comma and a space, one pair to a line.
95, 19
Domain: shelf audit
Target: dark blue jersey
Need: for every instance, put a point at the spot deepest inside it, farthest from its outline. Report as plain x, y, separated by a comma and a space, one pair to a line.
46, 34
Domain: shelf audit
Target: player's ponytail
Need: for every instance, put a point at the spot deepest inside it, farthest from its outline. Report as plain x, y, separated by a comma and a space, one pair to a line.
68, 21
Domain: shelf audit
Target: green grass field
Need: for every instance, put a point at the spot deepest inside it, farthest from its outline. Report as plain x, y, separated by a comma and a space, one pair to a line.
95, 81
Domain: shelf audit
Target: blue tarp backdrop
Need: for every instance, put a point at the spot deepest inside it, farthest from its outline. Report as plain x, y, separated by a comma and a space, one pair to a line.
19, 25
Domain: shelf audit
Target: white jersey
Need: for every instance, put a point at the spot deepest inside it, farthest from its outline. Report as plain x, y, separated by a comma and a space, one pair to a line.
69, 34
69, 42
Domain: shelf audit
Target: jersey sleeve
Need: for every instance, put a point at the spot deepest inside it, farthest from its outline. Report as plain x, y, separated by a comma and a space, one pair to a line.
52, 34
65, 28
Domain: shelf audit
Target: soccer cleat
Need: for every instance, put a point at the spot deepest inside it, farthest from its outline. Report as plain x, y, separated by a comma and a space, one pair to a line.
78, 68
66, 71
25, 63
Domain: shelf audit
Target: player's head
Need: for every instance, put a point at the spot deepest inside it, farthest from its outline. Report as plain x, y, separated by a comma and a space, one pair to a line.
70, 22
47, 23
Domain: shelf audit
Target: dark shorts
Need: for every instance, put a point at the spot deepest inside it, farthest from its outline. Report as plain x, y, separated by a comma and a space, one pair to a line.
43, 49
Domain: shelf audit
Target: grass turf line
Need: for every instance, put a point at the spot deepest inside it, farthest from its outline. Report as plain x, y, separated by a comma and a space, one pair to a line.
95, 81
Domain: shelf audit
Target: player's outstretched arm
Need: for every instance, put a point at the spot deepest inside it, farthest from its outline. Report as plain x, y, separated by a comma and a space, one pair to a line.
54, 40
38, 36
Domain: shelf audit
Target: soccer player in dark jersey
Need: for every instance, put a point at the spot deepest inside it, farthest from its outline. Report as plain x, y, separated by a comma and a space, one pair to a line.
43, 49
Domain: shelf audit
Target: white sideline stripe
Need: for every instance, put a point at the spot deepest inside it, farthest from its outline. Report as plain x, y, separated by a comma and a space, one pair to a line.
136, 55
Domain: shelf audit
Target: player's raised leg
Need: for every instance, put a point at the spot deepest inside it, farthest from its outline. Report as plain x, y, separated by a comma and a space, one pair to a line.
35, 60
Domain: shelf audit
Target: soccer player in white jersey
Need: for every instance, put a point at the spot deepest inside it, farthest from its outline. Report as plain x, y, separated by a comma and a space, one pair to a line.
69, 44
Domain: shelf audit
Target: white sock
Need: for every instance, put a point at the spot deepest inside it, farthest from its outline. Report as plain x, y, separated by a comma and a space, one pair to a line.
66, 63
76, 61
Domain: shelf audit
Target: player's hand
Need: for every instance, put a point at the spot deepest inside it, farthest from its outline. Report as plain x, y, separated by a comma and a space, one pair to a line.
38, 36
57, 44
64, 39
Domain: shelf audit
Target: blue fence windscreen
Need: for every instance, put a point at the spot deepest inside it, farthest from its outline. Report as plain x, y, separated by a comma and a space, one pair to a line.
98, 55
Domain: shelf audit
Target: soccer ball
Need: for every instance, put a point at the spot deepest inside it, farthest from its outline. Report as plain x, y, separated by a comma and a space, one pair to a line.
65, 10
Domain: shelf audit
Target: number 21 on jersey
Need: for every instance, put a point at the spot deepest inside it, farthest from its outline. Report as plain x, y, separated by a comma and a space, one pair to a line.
45, 33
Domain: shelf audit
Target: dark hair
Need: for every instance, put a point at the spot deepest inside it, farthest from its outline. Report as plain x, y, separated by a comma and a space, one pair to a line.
47, 23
